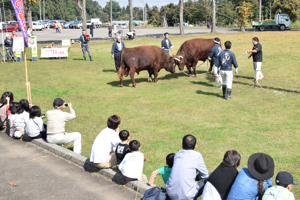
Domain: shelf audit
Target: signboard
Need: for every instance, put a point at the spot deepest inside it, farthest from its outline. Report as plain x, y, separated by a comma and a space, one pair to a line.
54, 52
19, 10
65, 43
18, 44
32, 41
34, 52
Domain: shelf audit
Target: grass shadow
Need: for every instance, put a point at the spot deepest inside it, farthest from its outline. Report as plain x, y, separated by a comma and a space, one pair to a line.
78, 59
127, 82
209, 93
171, 76
201, 83
109, 70
246, 77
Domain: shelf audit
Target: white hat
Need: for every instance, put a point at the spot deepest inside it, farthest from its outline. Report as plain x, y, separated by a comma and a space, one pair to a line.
6, 35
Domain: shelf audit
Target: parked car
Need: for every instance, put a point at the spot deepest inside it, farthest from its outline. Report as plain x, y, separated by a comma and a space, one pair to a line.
77, 24
67, 24
97, 22
52, 23
11, 27
123, 25
37, 26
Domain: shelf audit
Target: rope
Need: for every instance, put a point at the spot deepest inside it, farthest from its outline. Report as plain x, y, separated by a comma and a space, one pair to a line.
277, 93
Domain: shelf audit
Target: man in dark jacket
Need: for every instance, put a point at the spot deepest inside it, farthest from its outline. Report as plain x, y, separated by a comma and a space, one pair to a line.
115, 51
256, 53
226, 60
84, 45
166, 43
110, 31
214, 54
8, 47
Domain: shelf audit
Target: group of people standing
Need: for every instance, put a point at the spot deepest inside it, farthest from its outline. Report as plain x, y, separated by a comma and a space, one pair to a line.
223, 61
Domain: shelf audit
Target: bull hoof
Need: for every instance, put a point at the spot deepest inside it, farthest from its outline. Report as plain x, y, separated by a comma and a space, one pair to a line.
120, 85
209, 72
149, 79
190, 75
196, 75
134, 85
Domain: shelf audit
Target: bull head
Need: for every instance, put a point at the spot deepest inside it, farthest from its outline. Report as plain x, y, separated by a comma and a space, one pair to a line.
179, 62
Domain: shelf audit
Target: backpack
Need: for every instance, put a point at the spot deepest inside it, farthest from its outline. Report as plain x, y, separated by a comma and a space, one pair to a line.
155, 193
2, 122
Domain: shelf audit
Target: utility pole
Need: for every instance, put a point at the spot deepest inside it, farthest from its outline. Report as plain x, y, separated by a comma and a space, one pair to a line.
259, 17
111, 12
213, 27
270, 10
10, 15
181, 17
40, 11
4, 11
44, 9
130, 16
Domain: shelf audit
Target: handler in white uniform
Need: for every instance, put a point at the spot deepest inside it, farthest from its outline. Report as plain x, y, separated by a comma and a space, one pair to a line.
214, 54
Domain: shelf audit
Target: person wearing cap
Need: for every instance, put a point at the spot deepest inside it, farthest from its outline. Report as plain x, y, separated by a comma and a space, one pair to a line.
84, 45
57, 27
251, 183
92, 29
13, 35
8, 47
282, 189
257, 54
166, 43
214, 54
226, 60
56, 121
116, 49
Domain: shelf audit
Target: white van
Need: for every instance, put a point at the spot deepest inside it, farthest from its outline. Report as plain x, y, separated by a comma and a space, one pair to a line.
37, 26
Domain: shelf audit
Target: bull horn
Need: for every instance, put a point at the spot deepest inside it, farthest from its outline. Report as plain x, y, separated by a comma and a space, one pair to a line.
180, 57
176, 59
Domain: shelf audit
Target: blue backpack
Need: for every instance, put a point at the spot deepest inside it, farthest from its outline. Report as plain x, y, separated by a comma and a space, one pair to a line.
155, 193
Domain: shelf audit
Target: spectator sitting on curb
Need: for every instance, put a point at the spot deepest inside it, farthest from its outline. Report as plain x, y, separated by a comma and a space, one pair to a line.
187, 162
4, 108
21, 118
56, 121
35, 126
133, 163
122, 148
282, 189
220, 181
103, 151
165, 171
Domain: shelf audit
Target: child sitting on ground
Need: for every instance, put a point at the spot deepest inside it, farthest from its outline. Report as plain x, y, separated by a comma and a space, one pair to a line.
164, 171
284, 182
35, 126
13, 109
123, 147
132, 165
21, 118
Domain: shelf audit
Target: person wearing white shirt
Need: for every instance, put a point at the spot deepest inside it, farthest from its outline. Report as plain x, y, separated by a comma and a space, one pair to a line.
103, 149
21, 118
35, 126
56, 121
133, 163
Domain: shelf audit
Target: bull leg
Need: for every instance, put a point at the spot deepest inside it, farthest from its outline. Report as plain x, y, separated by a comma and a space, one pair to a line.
120, 74
126, 72
189, 69
194, 67
132, 77
155, 76
150, 76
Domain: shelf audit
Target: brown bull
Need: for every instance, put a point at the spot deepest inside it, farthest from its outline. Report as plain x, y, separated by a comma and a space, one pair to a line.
191, 51
150, 58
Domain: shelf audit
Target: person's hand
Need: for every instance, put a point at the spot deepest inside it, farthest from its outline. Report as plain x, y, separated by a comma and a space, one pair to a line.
70, 106
112, 56
152, 185
236, 73
7, 100
218, 72
249, 51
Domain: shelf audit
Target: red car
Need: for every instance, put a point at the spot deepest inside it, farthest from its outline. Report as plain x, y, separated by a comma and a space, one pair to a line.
11, 27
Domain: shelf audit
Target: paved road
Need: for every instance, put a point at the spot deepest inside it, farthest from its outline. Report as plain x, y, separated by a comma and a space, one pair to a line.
42, 175
102, 33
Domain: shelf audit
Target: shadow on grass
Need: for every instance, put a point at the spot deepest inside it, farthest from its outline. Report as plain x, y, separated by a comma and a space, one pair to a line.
78, 59
269, 88
127, 82
170, 76
109, 70
209, 93
246, 77
201, 83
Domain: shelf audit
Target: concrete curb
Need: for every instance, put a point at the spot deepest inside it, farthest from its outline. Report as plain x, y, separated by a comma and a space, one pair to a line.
84, 162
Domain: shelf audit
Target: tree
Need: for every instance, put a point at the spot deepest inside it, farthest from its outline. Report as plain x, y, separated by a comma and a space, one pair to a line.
226, 13
116, 10
130, 16
213, 27
28, 4
244, 13
181, 17
83, 13
290, 7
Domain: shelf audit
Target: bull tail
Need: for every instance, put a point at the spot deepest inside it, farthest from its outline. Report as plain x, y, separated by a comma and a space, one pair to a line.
122, 66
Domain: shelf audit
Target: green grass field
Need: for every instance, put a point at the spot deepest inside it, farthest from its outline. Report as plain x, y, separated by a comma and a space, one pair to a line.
160, 114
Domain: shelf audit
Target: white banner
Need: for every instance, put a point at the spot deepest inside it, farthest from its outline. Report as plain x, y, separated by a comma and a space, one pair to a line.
65, 43
18, 44
54, 52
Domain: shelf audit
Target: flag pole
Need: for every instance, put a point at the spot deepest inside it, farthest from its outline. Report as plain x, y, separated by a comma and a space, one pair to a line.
27, 82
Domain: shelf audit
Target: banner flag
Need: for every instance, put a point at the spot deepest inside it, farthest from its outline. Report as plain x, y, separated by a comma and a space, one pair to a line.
20, 15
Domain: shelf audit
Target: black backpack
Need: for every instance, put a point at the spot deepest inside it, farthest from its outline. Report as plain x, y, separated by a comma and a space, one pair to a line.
2, 122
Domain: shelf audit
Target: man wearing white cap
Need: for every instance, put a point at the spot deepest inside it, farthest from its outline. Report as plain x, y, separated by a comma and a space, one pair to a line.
8, 47
214, 54
56, 121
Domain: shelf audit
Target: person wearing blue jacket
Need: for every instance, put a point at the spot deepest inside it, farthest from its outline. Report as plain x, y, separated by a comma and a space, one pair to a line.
251, 183
214, 54
226, 60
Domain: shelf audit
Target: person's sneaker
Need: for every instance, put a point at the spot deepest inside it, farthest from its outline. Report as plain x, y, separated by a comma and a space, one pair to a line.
229, 98
261, 77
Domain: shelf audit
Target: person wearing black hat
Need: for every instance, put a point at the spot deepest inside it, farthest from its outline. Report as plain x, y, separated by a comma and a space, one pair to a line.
56, 121
284, 182
251, 183
214, 54
166, 43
